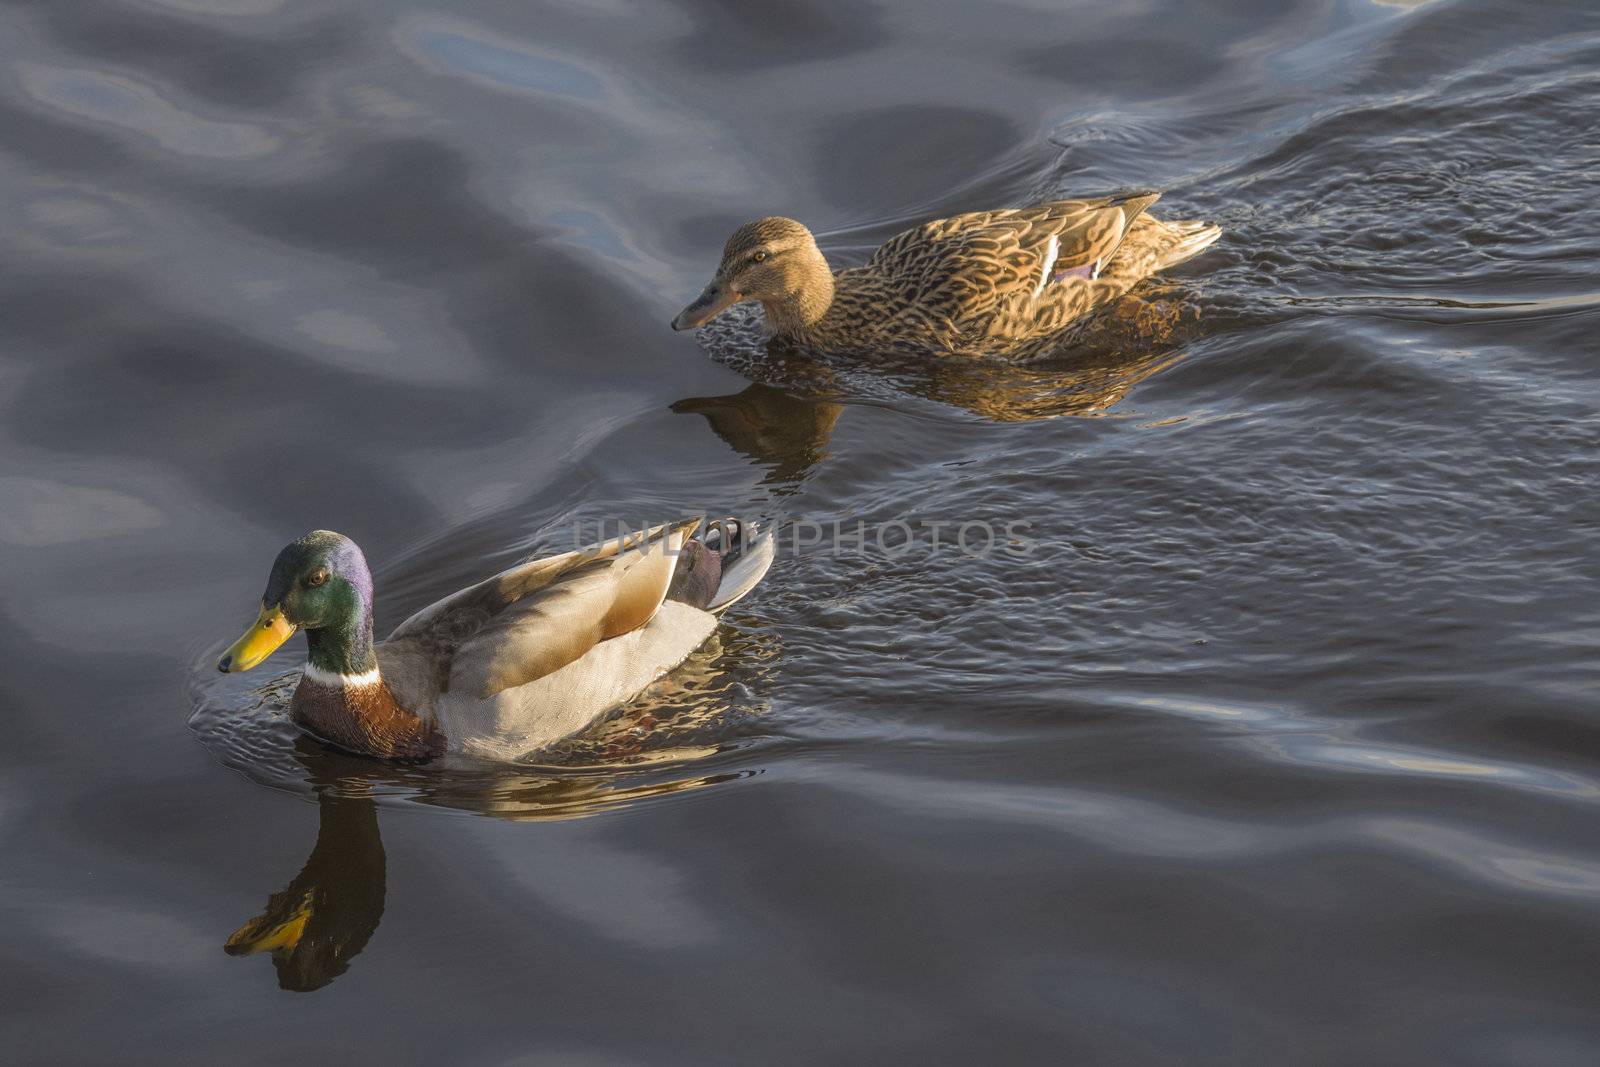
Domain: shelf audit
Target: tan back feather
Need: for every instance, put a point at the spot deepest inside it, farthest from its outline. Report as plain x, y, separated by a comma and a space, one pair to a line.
537, 617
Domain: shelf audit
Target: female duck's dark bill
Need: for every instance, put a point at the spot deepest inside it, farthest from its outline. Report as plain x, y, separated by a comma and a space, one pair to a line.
716, 299
269, 631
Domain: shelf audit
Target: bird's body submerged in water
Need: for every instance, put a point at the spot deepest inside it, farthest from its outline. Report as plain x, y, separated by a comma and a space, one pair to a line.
988, 282
506, 667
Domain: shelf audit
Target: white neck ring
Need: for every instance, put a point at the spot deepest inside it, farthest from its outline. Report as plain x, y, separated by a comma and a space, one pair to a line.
334, 680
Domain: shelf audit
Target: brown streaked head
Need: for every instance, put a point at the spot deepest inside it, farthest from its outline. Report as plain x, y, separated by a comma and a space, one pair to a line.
770, 260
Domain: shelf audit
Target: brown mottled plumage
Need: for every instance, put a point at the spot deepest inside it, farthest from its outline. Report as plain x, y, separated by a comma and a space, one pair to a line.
989, 281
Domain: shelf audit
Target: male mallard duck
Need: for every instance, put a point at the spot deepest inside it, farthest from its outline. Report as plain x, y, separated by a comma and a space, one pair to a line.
505, 667
989, 281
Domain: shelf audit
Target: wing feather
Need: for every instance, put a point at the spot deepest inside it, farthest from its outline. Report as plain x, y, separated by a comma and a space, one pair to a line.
537, 617
966, 265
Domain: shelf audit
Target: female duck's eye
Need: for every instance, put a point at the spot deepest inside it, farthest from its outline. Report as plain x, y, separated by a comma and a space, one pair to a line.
758, 257
317, 578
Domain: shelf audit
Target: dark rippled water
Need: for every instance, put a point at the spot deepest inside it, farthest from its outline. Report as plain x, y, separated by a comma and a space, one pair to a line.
1275, 742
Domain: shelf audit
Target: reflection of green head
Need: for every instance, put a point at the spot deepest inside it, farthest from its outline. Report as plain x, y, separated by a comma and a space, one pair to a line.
321, 920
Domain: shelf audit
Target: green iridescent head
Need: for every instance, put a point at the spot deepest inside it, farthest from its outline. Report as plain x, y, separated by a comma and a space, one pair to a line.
320, 584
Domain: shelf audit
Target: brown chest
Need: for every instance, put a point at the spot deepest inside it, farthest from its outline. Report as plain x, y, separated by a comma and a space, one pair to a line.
365, 719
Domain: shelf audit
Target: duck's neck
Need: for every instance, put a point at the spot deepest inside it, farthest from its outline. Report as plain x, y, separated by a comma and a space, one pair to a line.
345, 647
343, 699
804, 308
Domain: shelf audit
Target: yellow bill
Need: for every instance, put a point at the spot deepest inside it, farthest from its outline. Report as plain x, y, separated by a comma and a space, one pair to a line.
270, 630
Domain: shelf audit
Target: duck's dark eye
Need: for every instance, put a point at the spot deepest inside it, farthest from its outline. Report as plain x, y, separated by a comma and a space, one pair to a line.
758, 257
317, 578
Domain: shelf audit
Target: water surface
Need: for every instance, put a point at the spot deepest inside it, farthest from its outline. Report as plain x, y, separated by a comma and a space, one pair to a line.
1278, 744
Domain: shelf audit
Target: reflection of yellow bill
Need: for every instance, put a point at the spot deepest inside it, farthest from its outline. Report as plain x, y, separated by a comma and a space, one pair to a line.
269, 631
258, 936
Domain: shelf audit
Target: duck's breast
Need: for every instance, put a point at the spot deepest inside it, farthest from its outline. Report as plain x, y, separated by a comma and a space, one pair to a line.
521, 720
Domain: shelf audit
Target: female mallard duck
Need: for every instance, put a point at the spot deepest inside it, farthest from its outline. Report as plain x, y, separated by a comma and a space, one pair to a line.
505, 667
990, 281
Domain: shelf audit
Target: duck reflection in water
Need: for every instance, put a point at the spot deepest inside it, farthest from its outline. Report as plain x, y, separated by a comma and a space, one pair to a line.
787, 418
324, 917
786, 434
313, 927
